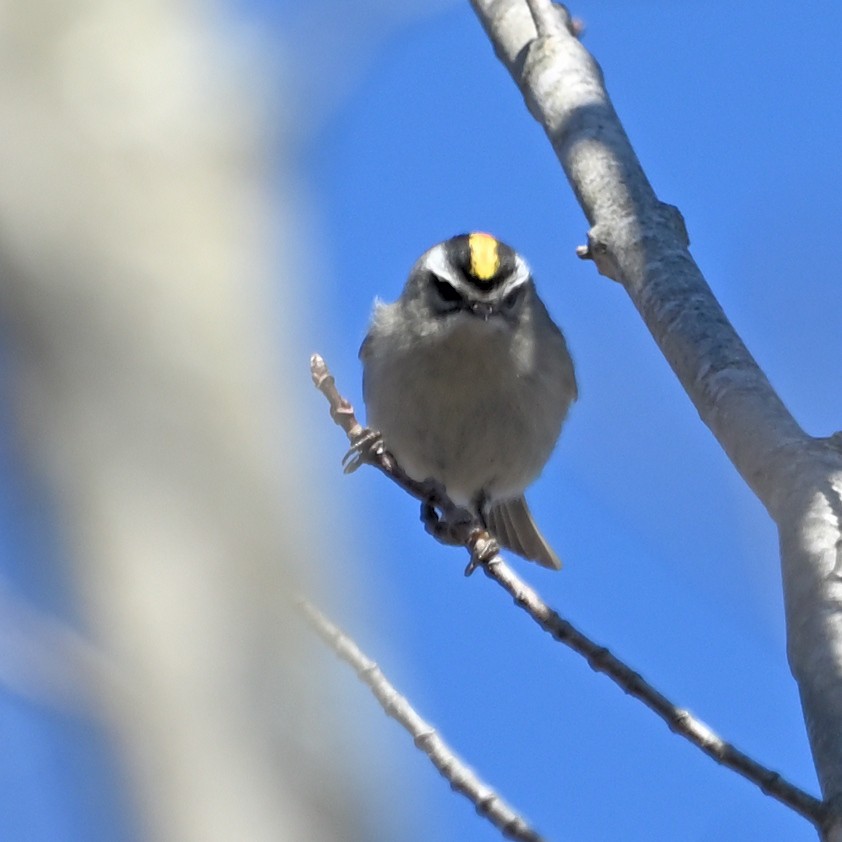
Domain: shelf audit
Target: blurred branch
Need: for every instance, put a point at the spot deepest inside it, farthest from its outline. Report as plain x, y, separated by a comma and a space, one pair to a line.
45, 659
485, 553
142, 248
461, 778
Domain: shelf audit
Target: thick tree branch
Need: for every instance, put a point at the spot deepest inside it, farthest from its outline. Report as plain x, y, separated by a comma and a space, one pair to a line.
460, 776
637, 239
642, 243
485, 553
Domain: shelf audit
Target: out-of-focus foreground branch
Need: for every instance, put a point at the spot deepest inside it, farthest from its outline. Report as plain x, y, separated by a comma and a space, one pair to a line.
462, 778
138, 295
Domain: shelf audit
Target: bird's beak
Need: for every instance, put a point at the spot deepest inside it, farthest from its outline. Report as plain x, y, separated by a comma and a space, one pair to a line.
482, 310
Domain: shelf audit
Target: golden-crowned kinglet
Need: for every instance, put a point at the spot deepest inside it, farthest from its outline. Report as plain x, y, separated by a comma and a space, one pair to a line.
469, 380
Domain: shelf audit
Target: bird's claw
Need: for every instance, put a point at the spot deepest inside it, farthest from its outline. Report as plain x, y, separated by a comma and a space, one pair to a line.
484, 550
368, 446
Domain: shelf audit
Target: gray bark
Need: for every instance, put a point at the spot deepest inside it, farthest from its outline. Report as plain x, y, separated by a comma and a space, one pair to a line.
641, 242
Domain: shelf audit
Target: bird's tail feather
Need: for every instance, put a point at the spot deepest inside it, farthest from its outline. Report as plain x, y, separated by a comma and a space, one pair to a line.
511, 523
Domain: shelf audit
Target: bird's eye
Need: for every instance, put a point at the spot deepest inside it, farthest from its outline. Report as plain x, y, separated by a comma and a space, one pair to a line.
512, 298
447, 292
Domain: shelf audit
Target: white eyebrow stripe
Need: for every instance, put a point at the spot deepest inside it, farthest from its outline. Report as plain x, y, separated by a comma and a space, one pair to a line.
522, 270
438, 263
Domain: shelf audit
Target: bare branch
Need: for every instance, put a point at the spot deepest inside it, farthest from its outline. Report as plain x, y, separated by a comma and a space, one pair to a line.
461, 777
679, 720
485, 553
642, 242
458, 531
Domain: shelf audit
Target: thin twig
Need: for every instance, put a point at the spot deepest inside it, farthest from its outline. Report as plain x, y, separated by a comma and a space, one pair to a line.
456, 530
486, 554
461, 778
679, 720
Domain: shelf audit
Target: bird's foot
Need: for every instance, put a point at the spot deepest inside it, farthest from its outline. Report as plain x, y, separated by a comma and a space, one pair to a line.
444, 521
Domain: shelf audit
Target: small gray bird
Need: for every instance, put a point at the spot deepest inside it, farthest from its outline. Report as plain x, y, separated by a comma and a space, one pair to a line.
469, 380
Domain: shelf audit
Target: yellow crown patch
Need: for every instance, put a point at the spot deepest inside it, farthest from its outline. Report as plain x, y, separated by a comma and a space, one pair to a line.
485, 256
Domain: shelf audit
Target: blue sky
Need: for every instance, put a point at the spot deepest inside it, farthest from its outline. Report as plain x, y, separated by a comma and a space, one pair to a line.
669, 560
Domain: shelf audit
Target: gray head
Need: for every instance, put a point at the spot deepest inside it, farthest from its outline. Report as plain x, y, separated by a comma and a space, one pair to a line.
470, 276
